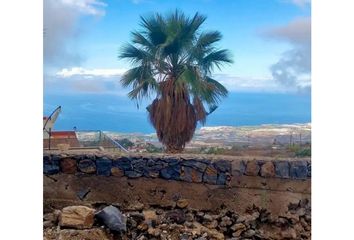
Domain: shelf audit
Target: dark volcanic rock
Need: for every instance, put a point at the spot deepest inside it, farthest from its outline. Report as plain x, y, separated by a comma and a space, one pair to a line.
176, 216
223, 165
87, 166
210, 175
309, 169
172, 161
50, 169
189, 174
139, 164
282, 169
171, 172
112, 218
103, 166
223, 178
197, 165
298, 169
46, 159
123, 163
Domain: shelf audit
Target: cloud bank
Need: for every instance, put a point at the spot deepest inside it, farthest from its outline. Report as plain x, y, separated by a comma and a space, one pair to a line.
293, 69
106, 81
61, 26
80, 80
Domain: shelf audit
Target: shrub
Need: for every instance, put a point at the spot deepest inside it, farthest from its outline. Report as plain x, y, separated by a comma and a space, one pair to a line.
305, 152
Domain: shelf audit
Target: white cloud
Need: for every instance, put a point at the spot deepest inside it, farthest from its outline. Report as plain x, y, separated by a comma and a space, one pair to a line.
90, 73
296, 32
89, 7
107, 81
60, 27
293, 69
249, 84
81, 80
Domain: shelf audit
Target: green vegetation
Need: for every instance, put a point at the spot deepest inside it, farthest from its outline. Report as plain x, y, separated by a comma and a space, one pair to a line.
126, 143
172, 58
212, 150
300, 151
151, 148
305, 152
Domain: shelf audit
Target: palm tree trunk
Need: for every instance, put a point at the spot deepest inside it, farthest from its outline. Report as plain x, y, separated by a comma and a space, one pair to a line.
173, 117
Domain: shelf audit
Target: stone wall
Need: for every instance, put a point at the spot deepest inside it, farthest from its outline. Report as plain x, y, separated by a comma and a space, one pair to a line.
196, 169
250, 198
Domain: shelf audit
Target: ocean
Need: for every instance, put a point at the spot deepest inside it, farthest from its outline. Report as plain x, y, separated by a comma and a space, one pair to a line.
119, 114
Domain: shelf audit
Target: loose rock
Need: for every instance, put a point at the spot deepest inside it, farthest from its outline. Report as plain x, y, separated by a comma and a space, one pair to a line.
79, 217
112, 218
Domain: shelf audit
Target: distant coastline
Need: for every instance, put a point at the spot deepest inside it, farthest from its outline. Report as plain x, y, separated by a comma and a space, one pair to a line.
119, 114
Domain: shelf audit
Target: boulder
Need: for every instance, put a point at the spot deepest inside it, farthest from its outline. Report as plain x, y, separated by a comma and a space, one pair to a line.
268, 170
87, 166
238, 168
50, 165
79, 217
68, 165
223, 178
112, 218
197, 165
252, 168
282, 169
190, 174
171, 172
176, 216
298, 169
50, 169
210, 175
222, 165
103, 166
123, 163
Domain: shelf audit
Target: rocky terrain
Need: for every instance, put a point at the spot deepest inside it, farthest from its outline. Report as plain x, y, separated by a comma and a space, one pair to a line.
226, 135
101, 222
284, 140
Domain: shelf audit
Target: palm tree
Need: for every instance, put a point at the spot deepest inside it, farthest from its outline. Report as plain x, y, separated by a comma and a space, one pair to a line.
174, 59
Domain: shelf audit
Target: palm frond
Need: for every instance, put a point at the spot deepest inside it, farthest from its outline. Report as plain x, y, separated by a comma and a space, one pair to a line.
135, 55
140, 39
215, 58
154, 28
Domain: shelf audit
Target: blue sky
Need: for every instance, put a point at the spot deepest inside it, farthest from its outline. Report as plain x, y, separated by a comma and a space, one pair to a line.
270, 41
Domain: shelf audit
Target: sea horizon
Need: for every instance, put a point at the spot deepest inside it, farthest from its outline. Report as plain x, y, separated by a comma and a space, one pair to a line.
119, 114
